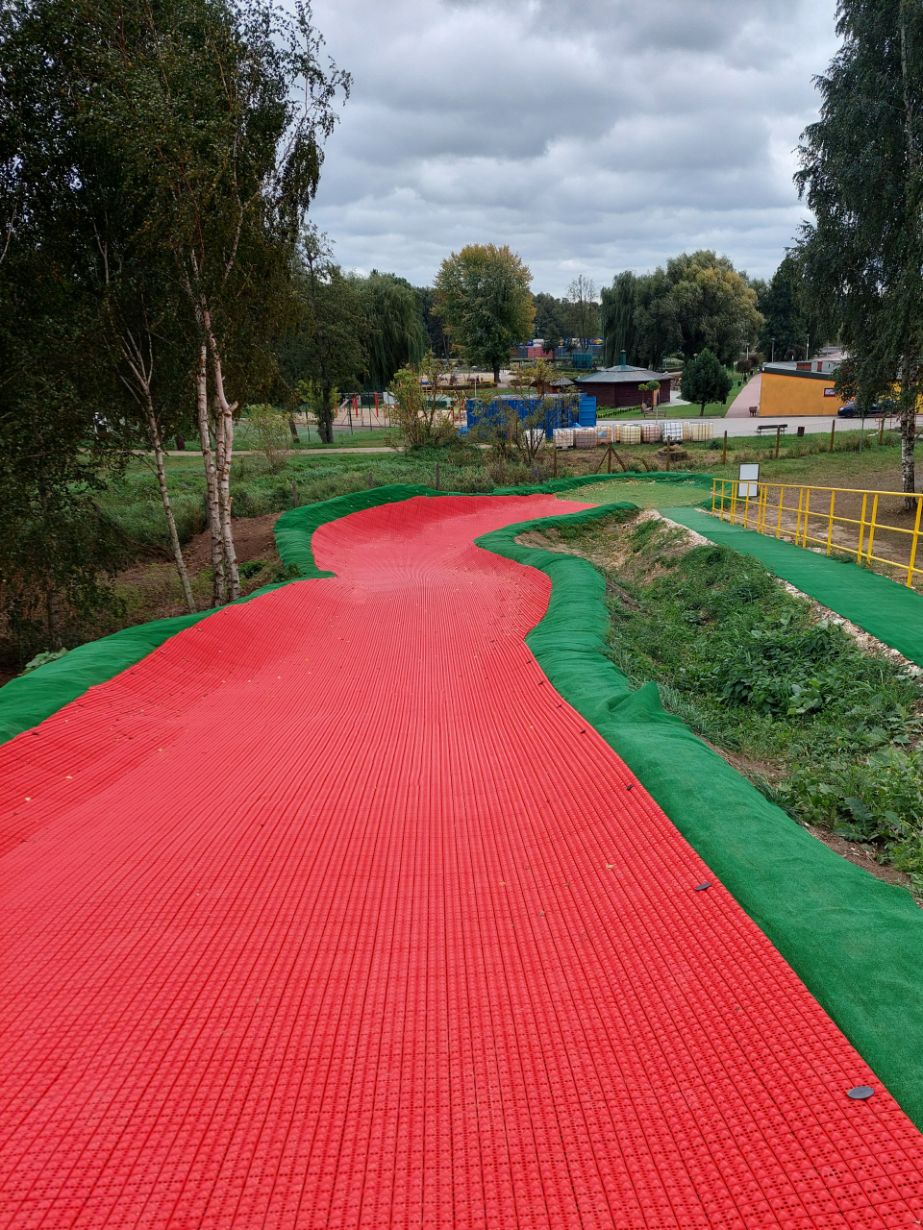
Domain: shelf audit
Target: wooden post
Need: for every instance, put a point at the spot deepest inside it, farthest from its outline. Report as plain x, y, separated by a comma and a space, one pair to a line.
832, 434
724, 450
778, 440
609, 457
554, 455
881, 431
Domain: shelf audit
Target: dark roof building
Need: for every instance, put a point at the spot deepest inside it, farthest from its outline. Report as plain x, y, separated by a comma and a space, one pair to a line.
620, 385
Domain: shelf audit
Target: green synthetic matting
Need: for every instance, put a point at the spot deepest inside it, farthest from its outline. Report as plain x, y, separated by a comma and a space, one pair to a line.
856, 942
889, 611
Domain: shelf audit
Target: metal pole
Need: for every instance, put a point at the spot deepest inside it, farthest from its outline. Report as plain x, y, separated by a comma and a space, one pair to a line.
778, 440
724, 450
830, 522
832, 433
871, 538
915, 541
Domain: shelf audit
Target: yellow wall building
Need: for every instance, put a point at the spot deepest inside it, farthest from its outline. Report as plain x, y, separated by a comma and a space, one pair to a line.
799, 389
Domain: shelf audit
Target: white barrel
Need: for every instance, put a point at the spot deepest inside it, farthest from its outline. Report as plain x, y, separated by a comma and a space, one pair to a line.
564, 437
697, 429
630, 433
584, 437
651, 432
672, 431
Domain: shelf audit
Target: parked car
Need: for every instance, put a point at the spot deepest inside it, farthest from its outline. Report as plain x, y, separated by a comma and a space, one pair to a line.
851, 409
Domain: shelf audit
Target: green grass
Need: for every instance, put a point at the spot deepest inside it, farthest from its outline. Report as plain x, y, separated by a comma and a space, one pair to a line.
713, 410
359, 437
308, 475
829, 732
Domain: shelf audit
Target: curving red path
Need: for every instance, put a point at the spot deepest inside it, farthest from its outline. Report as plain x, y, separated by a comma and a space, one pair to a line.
330, 914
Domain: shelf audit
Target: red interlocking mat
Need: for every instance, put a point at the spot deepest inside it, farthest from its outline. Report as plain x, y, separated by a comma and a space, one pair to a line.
331, 914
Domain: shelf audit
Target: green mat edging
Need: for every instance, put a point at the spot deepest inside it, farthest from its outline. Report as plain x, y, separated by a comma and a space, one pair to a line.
886, 609
856, 942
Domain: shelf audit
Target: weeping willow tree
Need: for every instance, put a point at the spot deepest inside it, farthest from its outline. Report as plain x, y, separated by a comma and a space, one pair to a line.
619, 317
395, 335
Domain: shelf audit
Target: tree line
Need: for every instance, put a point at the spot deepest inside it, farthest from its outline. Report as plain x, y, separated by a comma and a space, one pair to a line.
158, 270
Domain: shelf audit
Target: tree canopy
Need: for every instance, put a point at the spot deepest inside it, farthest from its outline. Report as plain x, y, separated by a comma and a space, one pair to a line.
862, 175
705, 379
483, 298
698, 300
394, 335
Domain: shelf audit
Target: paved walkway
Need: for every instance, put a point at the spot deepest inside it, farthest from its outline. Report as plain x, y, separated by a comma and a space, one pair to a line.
748, 396
330, 913
891, 612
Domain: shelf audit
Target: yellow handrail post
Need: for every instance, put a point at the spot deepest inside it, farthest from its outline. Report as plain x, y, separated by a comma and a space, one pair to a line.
733, 516
781, 506
798, 514
747, 506
915, 541
807, 514
830, 523
865, 500
871, 538
714, 493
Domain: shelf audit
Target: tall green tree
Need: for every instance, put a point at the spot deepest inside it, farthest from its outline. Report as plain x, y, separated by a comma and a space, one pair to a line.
483, 298
619, 312
787, 326
394, 335
714, 305
438, 341
322, 349
705, 379
582, 297
554, 319
699, 300
862, 175
185, 129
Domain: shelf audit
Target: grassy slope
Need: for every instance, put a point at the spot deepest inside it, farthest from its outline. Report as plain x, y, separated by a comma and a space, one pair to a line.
826, 730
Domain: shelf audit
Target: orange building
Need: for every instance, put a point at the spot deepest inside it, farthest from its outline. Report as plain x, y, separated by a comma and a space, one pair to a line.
799, 388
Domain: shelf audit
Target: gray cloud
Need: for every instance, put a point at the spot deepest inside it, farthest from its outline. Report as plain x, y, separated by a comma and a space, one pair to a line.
594, 140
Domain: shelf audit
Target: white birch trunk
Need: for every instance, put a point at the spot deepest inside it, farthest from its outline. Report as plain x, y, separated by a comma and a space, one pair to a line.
225, 437
175, 546
219, 583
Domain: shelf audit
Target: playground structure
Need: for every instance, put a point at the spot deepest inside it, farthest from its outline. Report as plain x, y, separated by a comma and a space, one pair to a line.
870, 526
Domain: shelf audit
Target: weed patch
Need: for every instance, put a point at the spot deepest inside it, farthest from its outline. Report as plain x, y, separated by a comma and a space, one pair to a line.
830, 732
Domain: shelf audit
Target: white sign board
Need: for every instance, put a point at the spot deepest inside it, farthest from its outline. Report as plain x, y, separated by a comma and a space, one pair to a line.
748, 482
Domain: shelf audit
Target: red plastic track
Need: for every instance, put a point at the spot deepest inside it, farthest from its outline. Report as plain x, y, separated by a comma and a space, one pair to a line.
331, 914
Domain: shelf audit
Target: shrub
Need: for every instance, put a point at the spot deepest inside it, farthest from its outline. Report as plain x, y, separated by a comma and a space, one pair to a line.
270, 432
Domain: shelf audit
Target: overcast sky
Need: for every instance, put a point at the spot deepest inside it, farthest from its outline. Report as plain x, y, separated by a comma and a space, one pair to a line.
591, 138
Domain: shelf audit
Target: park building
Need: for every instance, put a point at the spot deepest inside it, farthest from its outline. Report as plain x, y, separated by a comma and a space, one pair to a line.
620, 386
804, 387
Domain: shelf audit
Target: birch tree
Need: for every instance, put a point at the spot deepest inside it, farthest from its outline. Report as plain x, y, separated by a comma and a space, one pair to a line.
221, 110
862, 175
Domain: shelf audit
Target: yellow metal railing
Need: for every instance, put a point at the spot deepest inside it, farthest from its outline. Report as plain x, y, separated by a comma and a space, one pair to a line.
832, 518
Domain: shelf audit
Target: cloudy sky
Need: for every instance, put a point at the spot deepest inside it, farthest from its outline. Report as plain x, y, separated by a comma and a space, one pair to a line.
591, 138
